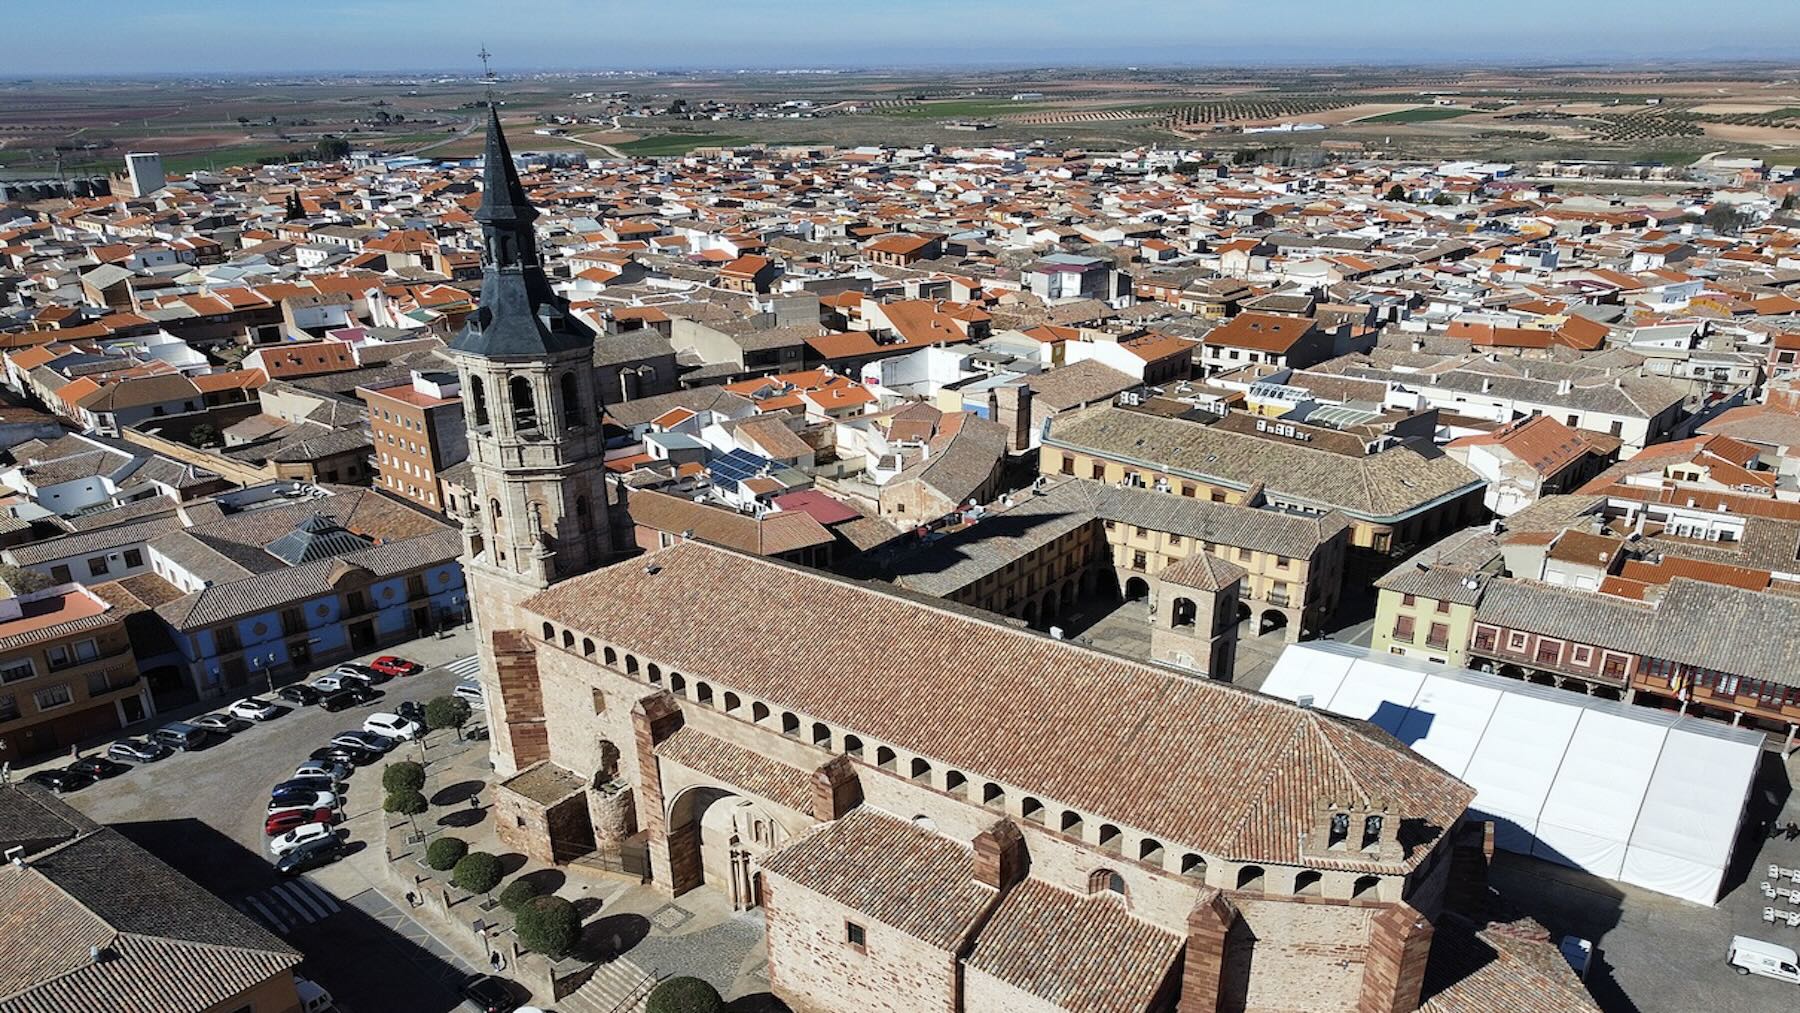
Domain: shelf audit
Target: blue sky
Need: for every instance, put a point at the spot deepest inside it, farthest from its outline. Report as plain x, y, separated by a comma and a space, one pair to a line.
208, 36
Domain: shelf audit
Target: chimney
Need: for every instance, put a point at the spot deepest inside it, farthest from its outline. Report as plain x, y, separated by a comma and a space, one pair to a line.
1001, 859
835, 789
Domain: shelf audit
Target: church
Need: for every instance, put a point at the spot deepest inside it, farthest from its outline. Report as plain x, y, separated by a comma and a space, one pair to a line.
933, 807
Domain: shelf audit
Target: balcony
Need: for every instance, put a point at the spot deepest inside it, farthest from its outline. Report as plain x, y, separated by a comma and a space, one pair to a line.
1280, 598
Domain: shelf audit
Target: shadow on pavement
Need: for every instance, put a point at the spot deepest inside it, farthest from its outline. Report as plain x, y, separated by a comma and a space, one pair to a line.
456, 794
609, 937
365, 963
758, 1002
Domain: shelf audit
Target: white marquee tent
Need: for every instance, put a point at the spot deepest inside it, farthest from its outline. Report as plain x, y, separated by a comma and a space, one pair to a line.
1642, 796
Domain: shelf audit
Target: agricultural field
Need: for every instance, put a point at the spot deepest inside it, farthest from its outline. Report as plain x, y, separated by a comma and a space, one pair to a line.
1422, 114
1493, 113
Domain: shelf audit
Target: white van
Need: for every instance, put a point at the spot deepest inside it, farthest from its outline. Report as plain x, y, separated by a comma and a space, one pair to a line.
1753, 956
313, 997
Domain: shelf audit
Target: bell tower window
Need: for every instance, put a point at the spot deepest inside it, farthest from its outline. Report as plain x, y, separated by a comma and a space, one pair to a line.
571, 402
524, 405
478, 397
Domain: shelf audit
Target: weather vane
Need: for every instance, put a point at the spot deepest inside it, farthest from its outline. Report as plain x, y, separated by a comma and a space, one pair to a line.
487, 72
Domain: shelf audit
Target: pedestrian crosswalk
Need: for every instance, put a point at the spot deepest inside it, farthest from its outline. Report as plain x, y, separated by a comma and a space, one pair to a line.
464, 668
288, 904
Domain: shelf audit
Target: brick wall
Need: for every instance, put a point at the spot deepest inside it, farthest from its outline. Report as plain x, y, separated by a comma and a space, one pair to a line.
813, 969
1304, 956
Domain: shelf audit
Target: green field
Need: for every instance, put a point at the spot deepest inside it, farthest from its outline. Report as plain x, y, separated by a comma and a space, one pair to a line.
1423, 114
676, 144
957, 109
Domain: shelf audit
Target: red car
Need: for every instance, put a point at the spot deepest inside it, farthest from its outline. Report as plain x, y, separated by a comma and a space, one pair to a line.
393, 664
281, 821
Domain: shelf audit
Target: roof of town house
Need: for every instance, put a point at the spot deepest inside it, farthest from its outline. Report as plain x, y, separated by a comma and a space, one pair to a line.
768, 535
1082, 954
1260, 765
1541, 442
1077, 384
1263, 332
1514, 966
964, 462
1378, 487
168, 943
141, 392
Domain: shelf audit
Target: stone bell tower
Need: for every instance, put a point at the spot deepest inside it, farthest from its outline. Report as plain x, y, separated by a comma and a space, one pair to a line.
539, 513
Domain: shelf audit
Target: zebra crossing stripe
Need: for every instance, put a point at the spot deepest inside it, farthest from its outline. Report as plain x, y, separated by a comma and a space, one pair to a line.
331, 905
268, 916
298, 899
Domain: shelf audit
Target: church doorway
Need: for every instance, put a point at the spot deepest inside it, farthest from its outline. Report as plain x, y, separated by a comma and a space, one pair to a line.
719, 839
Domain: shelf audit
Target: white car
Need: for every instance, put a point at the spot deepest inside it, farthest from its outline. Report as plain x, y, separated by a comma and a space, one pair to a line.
327, 683
253, 709
392, 725
287, 842
469, 690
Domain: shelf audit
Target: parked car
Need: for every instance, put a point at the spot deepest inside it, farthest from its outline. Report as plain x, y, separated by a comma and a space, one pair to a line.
284, 843
299, 693
367, 740
337, 770
137, 750
339, 699
327, 683
295, 798
61, 781
393, 726
412, 710
312, 855
307, 783
393, 664
358, 756
313, 997
183, 735
491, 994
282, 820
219, 723
99, 767
253, 708
469, 690
364, 673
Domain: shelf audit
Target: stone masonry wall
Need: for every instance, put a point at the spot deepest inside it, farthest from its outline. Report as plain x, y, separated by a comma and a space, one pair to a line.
813, 969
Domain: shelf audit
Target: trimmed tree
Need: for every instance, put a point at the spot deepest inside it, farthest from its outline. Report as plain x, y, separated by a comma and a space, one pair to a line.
445, 852
447, 712
406, 802
478, 872
1396, 192
548, 925
684, 995
403, 775
517, 894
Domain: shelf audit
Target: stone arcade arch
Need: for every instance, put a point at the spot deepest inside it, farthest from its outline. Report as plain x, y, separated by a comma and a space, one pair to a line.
718, 838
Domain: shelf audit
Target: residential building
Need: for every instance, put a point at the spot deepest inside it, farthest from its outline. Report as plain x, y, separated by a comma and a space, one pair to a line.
67, 671
417, 430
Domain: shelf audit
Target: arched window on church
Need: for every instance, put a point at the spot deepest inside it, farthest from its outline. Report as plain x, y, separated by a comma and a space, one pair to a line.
478, 397
571, 402
524, 405
494, 515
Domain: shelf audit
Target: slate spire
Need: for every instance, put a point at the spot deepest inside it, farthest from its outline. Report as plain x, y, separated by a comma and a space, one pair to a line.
519, 314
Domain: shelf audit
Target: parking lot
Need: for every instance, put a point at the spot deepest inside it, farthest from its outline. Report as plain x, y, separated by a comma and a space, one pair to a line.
203, 812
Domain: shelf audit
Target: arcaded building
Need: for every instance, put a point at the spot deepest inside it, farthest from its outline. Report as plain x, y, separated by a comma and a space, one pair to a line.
930, 806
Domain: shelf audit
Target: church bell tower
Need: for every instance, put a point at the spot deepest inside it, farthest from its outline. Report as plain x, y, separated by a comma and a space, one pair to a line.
535, 444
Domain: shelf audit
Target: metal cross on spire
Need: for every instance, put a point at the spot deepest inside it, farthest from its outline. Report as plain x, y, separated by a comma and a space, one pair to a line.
487, 72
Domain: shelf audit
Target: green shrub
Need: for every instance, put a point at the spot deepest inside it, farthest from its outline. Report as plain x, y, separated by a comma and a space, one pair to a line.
477, 872
446, 712
445, 852
403, 775
517, 894
405, 802
548, 925
684, 995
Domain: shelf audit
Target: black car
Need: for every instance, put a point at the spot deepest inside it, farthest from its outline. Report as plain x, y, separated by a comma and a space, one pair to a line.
61, 781
306, 784
339, 700
312, 855
299, 693
491, 994
99, 767
412, 710
346, 754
